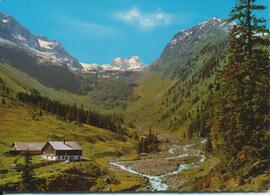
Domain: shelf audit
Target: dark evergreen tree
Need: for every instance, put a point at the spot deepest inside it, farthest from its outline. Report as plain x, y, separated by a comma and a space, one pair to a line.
7, 91
148, 143
239, 127
27, 177
3, 101
88, 119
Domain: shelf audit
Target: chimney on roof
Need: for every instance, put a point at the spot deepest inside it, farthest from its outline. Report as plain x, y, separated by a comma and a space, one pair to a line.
64, 141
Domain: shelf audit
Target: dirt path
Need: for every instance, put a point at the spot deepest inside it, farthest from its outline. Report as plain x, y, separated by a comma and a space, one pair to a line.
160, 167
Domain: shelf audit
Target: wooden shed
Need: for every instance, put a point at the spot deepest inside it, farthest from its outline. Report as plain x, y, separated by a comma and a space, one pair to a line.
22, 147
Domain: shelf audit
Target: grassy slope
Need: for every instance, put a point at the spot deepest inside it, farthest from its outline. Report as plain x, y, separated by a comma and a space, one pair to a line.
162, 100
19, 81
144, 112
113, 93
102, 145
148, 109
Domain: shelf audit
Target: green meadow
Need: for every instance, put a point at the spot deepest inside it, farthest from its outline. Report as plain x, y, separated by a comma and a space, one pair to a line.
17, 124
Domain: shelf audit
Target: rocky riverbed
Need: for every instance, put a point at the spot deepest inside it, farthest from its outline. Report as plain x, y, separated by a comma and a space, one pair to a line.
160, 168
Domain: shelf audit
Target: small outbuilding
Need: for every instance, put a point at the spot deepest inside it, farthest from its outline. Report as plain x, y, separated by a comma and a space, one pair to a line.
23, 147
62, 150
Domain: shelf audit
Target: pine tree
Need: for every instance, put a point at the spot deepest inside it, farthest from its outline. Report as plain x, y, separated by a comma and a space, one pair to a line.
7, 91
3, 101
150, 134
239, 128
69, 113
88, 119
27, 182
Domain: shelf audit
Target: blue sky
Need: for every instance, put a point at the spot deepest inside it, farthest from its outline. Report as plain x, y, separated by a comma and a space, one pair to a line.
96, 31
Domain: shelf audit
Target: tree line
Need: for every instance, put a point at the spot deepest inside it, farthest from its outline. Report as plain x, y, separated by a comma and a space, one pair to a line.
68, 112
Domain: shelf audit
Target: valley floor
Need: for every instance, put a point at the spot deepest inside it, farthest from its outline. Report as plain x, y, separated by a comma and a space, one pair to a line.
178, 166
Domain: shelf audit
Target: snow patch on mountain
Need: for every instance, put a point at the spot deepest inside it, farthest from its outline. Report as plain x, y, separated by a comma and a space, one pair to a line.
200, 31
46, 44
214, 19
133, 64
90, 67
130, 64
19, 37
5, 20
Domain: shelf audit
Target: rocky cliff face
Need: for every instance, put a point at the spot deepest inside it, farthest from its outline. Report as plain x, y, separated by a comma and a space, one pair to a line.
12, 33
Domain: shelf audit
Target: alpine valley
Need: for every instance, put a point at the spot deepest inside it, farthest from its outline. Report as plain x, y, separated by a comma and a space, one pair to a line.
142, 127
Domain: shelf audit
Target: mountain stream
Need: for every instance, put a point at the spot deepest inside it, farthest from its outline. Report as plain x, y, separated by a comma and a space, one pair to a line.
155, 182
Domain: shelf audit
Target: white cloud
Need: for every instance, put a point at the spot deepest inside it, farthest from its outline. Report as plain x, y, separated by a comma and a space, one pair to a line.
93, 28
145, 20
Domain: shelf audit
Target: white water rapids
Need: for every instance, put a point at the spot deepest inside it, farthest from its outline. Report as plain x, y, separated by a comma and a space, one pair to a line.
156, 183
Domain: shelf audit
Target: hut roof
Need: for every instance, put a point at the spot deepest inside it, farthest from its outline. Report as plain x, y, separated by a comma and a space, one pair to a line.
73, 145
65, 145
28, 146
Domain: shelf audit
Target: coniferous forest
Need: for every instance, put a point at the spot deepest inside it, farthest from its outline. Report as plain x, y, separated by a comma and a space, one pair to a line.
240, 126
71, 112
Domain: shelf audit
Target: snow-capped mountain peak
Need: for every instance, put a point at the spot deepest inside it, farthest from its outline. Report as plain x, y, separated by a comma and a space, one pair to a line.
13, 33
187, 38
130, 64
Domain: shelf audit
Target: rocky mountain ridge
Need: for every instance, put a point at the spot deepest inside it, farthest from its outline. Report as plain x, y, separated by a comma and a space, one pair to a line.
12, 33
191, 39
